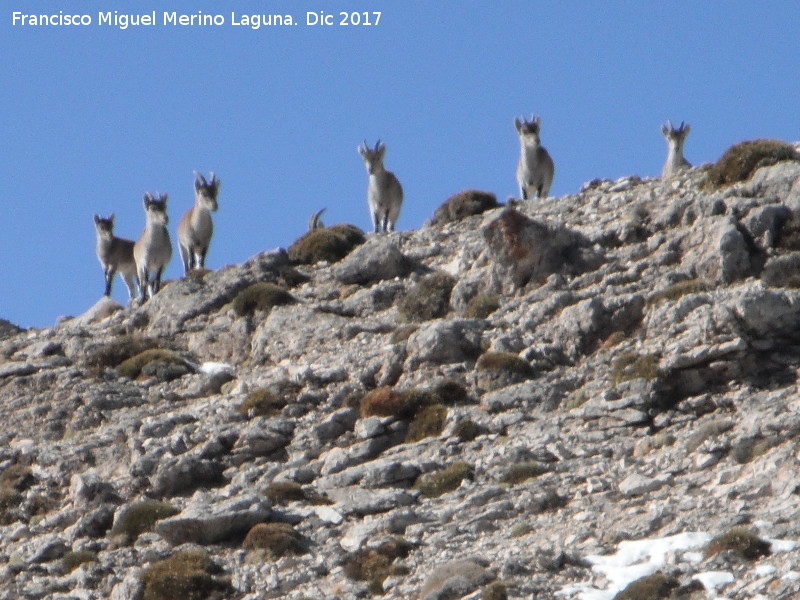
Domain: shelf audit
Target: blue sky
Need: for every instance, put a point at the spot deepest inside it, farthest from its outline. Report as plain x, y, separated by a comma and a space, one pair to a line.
94, 116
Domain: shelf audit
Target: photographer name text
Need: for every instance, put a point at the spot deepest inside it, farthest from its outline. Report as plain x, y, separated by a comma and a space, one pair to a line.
118, 20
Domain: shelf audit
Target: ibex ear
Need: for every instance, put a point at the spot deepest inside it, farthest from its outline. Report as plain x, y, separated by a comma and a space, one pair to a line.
97, 219
664, 129
686, 129
517, 124
148, 198
111, 217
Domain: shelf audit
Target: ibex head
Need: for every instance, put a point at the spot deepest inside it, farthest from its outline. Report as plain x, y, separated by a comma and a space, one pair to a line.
104, 226
206, 191
671, 133
373, 158
528, 130
156, 208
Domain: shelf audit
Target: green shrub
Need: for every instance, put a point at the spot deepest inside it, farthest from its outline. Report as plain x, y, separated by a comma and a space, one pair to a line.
521, 529
417, 399
741, 160
281, 492
261, 296
576, 399
420, 407
18, 477
329, 244
464, 204
275, 539
10, 501
741, 541
428, 422
434, 485
629, 367
788, 237
521, 472
188, 575
505, 361
134, 366
384, 402
706, 431
136, 518
269, 400
494, 591
428, 299
402, 333
73, 560
467, 430
376, 564
746, 449
614, 338
481, 306
652, 587
450, 392
496, 370
113, 353
677, 291
199, 273
388, 402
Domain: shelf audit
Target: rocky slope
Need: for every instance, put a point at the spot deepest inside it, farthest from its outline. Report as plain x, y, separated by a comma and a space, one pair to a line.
484, 408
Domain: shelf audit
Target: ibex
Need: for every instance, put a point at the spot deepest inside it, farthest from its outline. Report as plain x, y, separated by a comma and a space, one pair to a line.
153, 249
675, 138
535, 168
195, 228
384, 193
315, 222
115, 255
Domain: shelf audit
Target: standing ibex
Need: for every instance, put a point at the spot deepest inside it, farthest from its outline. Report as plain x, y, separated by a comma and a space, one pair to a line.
535, 169
195, 228
384, 192
675, 138
115, 254
153, 249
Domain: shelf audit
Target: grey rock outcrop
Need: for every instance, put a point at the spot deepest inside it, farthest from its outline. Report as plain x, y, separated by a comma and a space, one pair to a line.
644, 338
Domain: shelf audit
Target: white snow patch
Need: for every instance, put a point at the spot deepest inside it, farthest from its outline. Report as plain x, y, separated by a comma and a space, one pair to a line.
694, 557
782, 545
216, 368
711, 580
634, 560
762, 570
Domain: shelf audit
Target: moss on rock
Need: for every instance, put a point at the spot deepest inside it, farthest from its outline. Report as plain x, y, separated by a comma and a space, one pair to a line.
329, 244
261, 296
448, 479
136, 518
741, 160
741, 542
188, 575
428, 299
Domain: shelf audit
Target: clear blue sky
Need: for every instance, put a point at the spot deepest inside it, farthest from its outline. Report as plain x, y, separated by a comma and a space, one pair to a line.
94, 116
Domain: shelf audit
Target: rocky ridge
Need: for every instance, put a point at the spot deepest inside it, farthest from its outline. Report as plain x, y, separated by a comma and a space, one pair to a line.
632, 375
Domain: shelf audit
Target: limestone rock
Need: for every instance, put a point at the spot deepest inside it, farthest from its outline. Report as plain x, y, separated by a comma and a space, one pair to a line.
526, 250
378, 259
207, 520
657, 327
